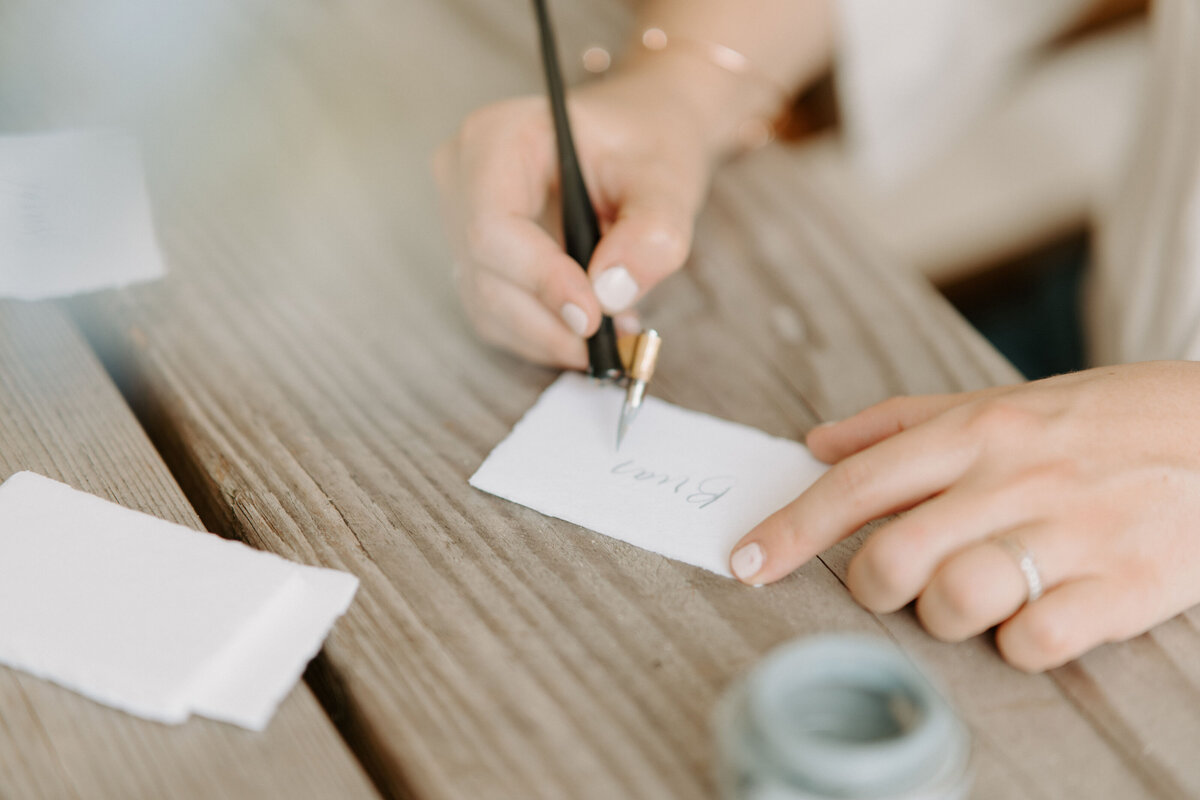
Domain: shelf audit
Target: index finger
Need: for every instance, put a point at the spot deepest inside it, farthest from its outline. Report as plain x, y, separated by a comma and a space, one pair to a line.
895, 474
651, 235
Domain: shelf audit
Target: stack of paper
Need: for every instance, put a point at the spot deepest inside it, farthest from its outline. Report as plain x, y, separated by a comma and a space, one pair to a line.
152, 617
74, 215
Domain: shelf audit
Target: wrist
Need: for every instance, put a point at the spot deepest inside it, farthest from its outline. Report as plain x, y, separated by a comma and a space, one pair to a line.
714, 88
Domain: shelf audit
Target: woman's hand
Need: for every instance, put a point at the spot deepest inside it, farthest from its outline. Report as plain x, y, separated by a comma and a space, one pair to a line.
1096, 475
646, 159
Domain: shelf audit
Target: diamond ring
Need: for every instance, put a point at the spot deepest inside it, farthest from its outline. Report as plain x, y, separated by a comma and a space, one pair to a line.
1025, 562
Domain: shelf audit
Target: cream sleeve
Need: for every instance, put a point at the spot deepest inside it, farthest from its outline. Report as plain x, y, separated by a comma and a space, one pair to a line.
913, 75
1144, 298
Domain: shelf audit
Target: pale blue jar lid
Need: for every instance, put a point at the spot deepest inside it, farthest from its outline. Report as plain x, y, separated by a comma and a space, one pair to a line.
839, 716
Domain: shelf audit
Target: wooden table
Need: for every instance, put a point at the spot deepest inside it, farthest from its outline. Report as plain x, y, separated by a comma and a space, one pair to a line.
61, 415
306, 377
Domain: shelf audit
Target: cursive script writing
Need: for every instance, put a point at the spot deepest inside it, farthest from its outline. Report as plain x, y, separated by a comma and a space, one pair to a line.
700, 493
24, 206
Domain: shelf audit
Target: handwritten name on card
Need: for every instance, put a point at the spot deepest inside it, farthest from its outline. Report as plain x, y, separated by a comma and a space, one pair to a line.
701, 493
684, 484
22, 212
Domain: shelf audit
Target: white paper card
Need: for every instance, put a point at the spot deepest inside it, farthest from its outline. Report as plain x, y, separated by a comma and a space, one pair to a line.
74, 215
250, 678
683, 484
150, 616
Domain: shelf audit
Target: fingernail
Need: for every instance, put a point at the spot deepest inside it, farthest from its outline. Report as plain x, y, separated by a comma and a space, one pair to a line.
615, 288
575, 317
747, 561
827, 424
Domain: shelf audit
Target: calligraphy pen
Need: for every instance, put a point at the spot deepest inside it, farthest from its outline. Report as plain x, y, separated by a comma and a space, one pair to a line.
633, 359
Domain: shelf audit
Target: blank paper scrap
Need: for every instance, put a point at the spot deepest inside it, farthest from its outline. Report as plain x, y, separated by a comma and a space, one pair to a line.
74, 215
683, 484
152, 617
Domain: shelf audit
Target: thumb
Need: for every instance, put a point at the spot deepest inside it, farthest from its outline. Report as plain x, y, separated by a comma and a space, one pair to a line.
649, 240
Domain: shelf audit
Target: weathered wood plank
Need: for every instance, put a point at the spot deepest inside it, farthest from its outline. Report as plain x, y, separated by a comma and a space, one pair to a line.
307, 375
60, 415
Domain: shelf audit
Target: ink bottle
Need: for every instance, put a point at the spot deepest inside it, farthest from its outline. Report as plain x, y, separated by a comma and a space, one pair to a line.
839, 716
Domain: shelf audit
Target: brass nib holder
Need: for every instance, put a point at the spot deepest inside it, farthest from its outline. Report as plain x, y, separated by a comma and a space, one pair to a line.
639, 354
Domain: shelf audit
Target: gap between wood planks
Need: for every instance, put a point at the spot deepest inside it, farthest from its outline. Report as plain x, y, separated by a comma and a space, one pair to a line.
320, 676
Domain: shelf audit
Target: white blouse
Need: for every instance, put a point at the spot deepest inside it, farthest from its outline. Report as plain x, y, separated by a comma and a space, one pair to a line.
915, 75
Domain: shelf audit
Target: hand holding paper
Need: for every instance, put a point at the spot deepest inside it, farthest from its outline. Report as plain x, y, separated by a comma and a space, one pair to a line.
683, 484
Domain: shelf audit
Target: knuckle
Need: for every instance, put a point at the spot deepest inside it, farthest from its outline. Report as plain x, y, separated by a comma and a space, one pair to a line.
880, 579
1055, 472
959, 590
852, 480
936, 622
1000, 420
893, 410
1065, 469
1043, 485
1132, 567
480, 236
671, 241
918, 531
1048, 638
787, 535
893, 406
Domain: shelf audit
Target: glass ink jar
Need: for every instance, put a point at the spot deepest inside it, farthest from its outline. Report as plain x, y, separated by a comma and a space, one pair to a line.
839, 716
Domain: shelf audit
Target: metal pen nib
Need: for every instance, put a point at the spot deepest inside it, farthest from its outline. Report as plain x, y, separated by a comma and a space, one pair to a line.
639, 371
633, 402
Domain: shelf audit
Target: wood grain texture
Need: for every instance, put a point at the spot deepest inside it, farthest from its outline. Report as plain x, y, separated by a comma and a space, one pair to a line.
306, 373
60, 415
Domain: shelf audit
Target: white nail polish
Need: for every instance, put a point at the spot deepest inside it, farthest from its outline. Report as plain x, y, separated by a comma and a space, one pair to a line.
615, 289
747, 561
575, 317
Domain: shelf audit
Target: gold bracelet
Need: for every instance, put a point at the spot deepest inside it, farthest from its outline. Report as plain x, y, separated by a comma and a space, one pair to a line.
715, 53
754, 132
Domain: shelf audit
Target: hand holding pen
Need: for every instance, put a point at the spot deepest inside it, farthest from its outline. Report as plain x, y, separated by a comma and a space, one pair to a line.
1103, 545
648, 136
647, 165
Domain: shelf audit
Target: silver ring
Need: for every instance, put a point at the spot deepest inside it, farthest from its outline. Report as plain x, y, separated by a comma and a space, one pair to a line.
1025, 562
